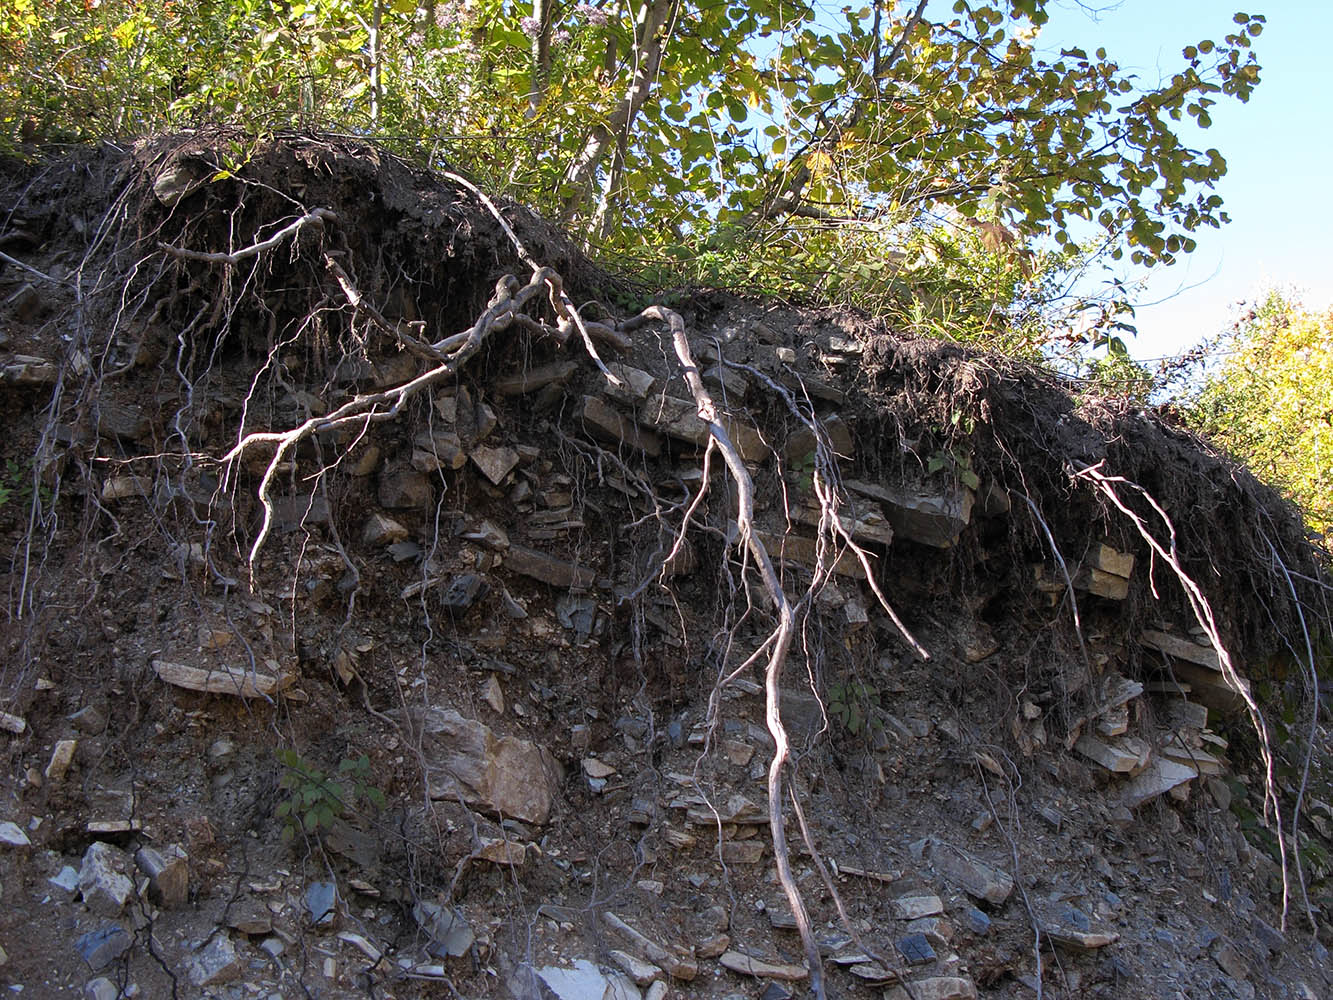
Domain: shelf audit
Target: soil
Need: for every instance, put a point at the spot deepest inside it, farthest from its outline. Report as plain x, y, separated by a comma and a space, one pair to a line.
514, 568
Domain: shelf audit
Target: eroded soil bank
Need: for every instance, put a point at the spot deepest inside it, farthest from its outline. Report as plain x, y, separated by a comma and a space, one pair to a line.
364, 637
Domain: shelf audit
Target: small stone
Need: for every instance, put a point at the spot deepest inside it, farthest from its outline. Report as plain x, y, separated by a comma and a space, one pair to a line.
102, 880
1268, 935
738, 752
495, 463
405, 490
321, 903
743, 852
67, 878
492, 694
595, 768
970, 873
101, 988
712, 945
775, 991
977, 922
251, 918
380, 529
1067, 925
464, 591
449, 933
11, 835
13, 724
915, 949
103, 946
584, 981
215, 963
168, 872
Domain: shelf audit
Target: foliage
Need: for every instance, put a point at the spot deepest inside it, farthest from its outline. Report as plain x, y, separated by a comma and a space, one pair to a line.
851, 704
786, 145
1270, 402
314, 800
16, 484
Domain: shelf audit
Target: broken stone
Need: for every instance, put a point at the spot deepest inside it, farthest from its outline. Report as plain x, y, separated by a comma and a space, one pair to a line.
638, 970
915, 949
801, 442
24, 370
607, 424
498, 851
1159, 777
405, 489
971, 874
731, 384
250, 917
464, 591
931, 517
123, 487
504, 775
176, 180
495, 463
493, 695
11, 835
1070, 926
13, 724
679, 418
860, 521
747, 965
449, 933
712, 945
103, 881
935, 988
801, 551
168, 874
977, 921
382, 530
436, 450
1108, 560
536, 378
548, 569
742, 852
1102, 584
636, 384
293, 512
1210, 687
321, 903
916, 906
215, 963
218, 680
128, 423
1187, 713
101, 988
586, 982
1124, 756
1200, 761
677, 962
104, 945
1182, 649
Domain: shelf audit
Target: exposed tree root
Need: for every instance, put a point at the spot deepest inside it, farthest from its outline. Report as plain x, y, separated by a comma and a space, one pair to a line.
1203, 614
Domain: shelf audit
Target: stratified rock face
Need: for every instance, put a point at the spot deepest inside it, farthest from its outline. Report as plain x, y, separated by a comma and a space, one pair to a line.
503, 775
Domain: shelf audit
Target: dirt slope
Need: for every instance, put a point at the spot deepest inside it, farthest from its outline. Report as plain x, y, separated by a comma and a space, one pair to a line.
364, 637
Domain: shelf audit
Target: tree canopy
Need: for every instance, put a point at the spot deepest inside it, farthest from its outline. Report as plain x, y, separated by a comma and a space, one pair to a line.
671, 129
1270, 402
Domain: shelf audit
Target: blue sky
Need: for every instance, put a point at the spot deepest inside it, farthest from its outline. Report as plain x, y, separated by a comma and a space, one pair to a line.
1279, 151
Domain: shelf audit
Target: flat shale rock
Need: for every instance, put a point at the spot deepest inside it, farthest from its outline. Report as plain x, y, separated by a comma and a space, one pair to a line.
548, 569
501, 774
971, 874
931, 516
218, 680
746, 965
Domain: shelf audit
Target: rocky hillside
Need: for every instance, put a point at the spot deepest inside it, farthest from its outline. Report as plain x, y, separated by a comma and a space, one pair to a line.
398, 605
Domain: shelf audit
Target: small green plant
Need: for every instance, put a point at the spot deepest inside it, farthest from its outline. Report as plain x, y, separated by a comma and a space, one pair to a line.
803, 468
314, 801
849, 704
16, 484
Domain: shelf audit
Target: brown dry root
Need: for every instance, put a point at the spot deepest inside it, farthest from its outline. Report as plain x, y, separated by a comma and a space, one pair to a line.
1203, 614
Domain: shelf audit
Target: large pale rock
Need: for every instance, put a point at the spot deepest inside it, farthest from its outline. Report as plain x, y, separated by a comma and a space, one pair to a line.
1107, 559
218, 680
801, 442
933, 516
438, 449
935, 988
1181, 648
584, 981
1160, 776
103, 881
1123, 756
501, 774
536, 378
1068, 925
863, 521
